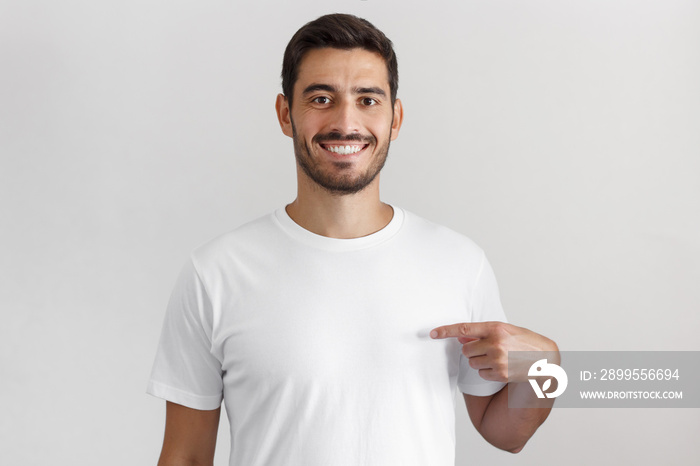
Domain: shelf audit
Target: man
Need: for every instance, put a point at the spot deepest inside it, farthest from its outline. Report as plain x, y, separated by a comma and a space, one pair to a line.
338, 329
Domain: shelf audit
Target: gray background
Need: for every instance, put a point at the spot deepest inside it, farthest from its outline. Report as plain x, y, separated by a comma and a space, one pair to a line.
561, 136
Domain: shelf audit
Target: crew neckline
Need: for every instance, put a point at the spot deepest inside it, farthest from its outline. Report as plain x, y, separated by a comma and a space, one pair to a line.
309, 238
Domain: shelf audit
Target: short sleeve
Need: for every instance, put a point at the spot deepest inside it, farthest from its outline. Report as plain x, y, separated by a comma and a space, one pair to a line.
185, 370
485, 307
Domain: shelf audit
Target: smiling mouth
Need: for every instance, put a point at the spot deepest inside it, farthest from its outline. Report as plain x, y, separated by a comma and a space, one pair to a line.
344, 149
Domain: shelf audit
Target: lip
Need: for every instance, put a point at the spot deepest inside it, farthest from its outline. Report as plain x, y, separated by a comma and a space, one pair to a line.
343, 143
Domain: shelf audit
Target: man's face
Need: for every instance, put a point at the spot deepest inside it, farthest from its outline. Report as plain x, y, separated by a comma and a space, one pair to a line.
342, 118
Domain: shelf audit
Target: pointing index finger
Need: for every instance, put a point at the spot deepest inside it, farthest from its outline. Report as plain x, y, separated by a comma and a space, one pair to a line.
469, 330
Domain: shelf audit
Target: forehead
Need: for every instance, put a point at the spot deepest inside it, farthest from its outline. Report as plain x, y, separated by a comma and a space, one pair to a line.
342, 68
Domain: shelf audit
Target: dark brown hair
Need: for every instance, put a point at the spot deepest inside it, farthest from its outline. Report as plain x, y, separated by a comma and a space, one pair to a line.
340, 31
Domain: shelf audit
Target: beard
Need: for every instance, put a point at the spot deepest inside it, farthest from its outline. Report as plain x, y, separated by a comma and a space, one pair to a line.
341, 180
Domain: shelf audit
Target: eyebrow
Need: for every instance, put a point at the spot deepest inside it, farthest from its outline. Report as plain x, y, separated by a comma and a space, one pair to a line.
356, 90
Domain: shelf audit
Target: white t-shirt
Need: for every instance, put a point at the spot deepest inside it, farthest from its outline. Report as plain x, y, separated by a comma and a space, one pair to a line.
320, 347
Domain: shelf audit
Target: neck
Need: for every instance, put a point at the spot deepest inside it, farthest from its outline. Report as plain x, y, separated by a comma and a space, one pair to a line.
339, 216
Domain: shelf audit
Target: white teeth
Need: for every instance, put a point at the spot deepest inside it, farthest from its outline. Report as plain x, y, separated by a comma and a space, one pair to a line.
344, 150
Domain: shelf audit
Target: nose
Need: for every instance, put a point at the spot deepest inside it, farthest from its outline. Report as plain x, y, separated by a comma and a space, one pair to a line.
345, 117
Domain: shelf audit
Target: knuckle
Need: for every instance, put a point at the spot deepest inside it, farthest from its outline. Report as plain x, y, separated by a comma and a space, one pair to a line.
499, 348
502, 362
500, 329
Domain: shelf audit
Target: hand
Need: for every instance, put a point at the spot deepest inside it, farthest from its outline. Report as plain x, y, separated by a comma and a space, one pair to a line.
487, 345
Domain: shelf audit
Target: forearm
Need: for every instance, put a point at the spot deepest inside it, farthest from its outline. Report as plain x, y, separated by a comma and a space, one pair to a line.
514, 414
510, 428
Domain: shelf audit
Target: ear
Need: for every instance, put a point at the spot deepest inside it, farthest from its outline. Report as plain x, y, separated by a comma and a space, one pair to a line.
398, 119
283, 115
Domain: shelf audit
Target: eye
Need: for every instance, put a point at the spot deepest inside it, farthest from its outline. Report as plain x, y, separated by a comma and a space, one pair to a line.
368, 101
321, 100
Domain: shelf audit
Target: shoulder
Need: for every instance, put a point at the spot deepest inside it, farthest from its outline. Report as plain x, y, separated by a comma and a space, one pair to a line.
434, 235
245, 238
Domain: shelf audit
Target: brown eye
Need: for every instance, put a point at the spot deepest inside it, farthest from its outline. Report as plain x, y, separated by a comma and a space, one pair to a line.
368, 101
321, 100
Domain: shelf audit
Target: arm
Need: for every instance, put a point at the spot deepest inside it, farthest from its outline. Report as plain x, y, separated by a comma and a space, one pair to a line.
506, 428
190, 436
487, 344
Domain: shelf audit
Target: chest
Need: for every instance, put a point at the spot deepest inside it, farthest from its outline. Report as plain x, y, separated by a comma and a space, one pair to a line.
314, 320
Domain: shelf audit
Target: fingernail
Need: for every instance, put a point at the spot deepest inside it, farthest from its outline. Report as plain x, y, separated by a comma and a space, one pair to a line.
433, 334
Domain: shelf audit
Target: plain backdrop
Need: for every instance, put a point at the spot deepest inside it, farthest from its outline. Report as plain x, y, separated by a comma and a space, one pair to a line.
563, 137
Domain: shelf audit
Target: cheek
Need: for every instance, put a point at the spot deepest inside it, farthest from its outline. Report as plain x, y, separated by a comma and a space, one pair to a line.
382, 125
308, 129
382, 132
